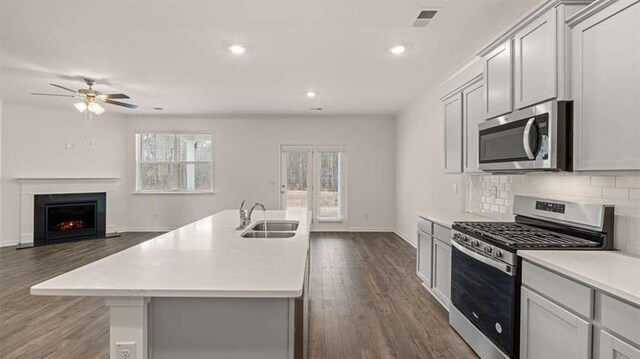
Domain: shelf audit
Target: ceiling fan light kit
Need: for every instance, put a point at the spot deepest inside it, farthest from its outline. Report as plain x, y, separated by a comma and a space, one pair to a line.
91, 98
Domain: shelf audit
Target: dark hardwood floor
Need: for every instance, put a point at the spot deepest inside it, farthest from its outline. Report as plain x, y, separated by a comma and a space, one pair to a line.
366, 302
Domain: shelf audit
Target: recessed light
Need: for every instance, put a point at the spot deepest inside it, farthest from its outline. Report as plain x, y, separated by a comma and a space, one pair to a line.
397, 49
311, 94
237, 49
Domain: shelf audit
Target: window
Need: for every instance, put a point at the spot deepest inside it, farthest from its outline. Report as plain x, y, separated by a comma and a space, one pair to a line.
173, 162
330, 193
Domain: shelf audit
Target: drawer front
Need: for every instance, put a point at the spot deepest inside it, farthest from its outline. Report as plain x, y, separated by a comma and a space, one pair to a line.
620, 317
442, 233
425, 225
577, 297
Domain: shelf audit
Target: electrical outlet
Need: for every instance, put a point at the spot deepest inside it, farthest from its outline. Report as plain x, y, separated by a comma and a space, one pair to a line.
366, 216
126, 350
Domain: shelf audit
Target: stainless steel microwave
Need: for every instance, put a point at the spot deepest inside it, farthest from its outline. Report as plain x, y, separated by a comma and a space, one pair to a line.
537, 138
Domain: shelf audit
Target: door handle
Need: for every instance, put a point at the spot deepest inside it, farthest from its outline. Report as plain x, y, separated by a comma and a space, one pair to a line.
525, 138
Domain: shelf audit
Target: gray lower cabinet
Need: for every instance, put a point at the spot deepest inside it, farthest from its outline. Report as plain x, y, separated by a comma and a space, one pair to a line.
549, 331
614, 348
442, 272
564, 318
433, 265
425, 258
606, 85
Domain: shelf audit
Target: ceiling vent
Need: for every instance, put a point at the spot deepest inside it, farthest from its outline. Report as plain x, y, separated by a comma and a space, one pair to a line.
424, 18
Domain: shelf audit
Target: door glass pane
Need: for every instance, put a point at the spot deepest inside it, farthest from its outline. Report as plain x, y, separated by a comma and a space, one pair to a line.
296, 186
330, 191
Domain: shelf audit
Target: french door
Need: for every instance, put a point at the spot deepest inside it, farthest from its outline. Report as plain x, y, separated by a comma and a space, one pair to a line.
296, 187
313, 178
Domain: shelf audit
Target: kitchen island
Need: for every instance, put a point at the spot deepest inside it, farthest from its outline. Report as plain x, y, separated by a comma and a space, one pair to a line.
203, 291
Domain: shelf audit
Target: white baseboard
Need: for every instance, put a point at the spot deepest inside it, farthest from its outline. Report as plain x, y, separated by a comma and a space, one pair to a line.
352, 230
143, 229
9, 243
405, 238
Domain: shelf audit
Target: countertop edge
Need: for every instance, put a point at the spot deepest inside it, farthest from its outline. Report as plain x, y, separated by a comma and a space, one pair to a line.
626, 296
434, 217
178, 293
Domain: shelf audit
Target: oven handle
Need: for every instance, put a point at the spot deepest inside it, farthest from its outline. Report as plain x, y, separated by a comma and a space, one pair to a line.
525, 138
486, 260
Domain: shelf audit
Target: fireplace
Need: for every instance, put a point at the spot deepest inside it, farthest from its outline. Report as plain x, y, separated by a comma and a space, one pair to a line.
72, 216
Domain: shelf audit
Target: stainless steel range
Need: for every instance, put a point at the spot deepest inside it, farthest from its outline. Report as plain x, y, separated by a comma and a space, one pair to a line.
485, 268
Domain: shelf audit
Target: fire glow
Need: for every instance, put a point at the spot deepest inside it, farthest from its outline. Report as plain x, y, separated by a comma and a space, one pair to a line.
70, 225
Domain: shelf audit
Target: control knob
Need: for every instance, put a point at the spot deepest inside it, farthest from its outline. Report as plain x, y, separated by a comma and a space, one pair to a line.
498, 253
488, 250
475, 243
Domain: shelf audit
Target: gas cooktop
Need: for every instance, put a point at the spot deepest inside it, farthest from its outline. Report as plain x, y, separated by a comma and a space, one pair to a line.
522, 236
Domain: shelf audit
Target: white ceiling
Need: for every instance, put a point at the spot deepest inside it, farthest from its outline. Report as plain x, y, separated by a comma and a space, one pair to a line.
174, 54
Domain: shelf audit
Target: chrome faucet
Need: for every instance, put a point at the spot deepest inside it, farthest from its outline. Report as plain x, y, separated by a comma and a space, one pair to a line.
257, 204
245, 217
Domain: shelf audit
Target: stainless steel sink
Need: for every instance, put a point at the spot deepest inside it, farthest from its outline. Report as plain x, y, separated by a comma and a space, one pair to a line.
276, 226
262, 234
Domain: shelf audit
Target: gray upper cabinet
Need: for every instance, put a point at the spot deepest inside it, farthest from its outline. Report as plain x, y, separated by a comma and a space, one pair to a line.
606, 86
535, 61
453, 133
497, 81
530, 61
472, 114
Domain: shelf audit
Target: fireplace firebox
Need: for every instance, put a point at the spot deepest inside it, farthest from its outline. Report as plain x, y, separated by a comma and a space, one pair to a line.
66, 217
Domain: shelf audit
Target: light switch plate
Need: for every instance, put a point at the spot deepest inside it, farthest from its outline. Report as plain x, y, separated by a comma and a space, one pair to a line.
126, 350
454, 188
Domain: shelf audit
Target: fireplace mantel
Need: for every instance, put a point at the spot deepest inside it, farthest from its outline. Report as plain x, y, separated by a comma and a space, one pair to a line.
31, 186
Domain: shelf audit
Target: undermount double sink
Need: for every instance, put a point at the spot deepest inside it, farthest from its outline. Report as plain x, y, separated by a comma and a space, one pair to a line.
272, 229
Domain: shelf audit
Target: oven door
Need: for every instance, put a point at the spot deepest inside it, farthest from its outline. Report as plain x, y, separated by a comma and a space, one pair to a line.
485, 291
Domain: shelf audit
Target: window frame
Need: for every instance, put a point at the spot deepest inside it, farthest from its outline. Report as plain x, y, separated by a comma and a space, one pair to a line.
174, 164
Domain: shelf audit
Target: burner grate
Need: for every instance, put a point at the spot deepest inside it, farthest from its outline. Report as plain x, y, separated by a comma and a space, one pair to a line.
519, 235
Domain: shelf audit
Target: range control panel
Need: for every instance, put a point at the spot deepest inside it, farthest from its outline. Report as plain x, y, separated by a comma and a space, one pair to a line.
550, 207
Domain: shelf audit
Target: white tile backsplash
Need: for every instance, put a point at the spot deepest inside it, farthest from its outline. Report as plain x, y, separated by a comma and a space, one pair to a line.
492, 196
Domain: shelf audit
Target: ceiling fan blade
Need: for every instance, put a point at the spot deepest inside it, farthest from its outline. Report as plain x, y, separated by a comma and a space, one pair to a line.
118, 103
113, 95
50, 94
62, 87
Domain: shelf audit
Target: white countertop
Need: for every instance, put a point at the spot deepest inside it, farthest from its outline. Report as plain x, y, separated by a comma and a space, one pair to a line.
612, 272
446, 218
207, 258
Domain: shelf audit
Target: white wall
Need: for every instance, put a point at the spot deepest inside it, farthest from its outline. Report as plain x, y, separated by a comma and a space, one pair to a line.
1, 178
34, 142
247, 157
421, 183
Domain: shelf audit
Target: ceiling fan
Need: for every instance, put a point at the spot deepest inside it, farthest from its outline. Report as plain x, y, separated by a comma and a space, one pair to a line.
91, 98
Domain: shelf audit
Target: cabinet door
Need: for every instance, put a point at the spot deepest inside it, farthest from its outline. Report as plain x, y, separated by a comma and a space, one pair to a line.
549, 331
606, 84
442, 272
535, 61
425, 258
453, 134
497, 81
614, 348
472, 114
